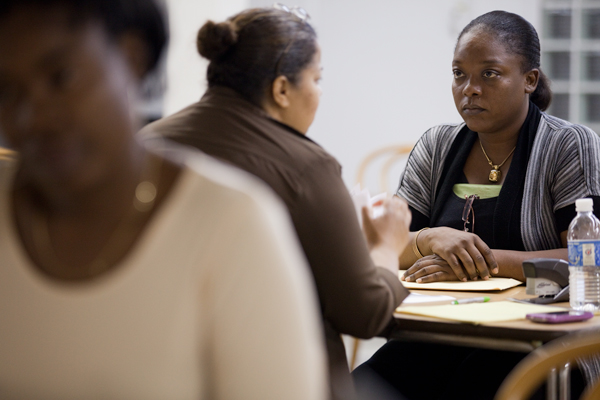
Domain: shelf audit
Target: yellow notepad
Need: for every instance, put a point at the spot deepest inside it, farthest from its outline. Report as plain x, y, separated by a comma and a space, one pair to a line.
476, 313
468, 286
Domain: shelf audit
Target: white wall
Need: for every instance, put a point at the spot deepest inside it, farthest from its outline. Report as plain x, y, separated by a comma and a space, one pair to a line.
386, 65
186, 70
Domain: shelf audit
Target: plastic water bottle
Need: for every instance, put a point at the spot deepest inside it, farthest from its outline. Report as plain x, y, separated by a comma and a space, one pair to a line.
584, 258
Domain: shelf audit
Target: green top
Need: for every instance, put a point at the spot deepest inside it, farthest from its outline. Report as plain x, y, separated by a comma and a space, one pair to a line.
483, 191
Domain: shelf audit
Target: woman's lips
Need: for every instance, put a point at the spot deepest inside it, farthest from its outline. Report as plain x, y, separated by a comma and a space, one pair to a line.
472, 110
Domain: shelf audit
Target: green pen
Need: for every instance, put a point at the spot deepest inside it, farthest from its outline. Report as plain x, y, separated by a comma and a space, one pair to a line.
472, 300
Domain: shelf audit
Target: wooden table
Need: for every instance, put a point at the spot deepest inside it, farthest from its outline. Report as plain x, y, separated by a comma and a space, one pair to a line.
523, 336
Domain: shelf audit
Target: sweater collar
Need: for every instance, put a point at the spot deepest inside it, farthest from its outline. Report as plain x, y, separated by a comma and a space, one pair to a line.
226, 95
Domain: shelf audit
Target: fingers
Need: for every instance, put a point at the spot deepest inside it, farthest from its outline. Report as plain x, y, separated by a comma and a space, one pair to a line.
366, 215
478, 260
392, 225
467, 255
480, 265
466, 258
439, 276
456, 266
368, 228
400, 206
429, 269
488, 255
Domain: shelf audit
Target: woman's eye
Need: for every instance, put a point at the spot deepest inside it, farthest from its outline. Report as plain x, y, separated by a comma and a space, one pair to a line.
457, 74
490, 74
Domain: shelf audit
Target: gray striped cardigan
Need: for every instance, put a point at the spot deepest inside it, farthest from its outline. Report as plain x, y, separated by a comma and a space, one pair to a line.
564, 165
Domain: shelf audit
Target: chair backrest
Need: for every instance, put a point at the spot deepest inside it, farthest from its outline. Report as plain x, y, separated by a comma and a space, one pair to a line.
592, 393
533, 370
386, 157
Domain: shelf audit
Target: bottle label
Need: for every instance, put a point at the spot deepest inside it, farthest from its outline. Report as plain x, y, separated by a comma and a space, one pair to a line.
584, 252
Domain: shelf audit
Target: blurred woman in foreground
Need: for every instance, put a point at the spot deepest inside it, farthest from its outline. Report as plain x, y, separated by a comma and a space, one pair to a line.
263, 78
124, 274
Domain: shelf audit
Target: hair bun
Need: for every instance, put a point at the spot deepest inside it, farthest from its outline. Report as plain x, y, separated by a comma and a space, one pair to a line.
215, 39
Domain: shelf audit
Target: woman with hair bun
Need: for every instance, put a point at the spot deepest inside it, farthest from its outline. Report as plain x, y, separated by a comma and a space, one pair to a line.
486, 195
124, 273
263, 94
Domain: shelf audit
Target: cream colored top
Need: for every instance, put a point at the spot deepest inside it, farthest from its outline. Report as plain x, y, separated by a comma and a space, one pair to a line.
214, 302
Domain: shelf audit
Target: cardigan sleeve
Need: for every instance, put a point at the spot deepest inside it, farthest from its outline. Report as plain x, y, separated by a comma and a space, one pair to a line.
564, 166
424, 167
415, 184
577, 166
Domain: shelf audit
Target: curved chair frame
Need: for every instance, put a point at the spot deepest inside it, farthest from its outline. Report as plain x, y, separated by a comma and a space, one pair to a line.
392, 153
533, 370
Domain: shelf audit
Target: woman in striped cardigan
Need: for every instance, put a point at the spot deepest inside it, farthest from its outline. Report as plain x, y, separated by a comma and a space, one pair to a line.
485, 195
499, 188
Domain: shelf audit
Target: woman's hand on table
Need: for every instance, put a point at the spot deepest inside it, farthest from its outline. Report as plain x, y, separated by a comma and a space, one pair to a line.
465, 253
429, 269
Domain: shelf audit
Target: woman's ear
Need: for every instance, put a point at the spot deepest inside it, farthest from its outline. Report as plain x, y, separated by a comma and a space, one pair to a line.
280, 90
531, 80
137, 53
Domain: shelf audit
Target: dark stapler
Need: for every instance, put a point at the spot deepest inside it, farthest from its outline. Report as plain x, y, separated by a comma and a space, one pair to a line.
547, 278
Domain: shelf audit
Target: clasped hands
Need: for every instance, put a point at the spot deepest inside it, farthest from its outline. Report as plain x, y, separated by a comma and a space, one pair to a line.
452, 255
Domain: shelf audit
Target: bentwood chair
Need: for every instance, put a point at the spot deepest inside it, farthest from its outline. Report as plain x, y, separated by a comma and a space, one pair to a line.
379, 163
382, 161
543, 363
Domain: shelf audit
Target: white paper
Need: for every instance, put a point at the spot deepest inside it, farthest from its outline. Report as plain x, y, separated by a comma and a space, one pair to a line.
418, 298
362, 198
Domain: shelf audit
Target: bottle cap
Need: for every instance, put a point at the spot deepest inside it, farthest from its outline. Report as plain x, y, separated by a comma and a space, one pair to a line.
583, 205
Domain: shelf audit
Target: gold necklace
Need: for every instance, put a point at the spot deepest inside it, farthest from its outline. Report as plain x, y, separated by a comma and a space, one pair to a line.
495, 173
143, 202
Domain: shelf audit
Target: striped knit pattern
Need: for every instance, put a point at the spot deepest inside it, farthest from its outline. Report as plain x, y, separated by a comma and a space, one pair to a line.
564, 166
590, 368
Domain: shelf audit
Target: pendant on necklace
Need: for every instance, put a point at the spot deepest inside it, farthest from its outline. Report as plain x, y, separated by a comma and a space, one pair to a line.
494, 174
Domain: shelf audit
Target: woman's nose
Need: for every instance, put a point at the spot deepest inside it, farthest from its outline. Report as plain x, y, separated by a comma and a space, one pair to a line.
472, 88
